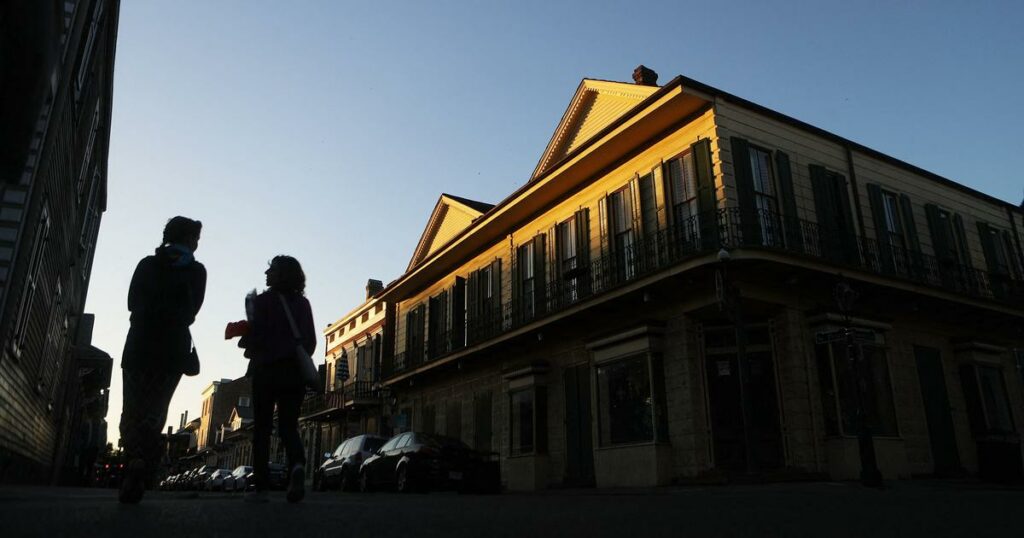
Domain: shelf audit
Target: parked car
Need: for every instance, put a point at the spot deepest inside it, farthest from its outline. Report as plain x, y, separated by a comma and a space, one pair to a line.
215, 482
420, 462
198, 479
340, 469
278, 477
236, 481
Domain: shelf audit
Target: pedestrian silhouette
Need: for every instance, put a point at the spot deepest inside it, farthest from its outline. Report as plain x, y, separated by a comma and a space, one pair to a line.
278, 319
165, 295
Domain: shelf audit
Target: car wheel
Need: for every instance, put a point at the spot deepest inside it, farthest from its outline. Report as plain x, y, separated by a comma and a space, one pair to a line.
364, 483
403, 482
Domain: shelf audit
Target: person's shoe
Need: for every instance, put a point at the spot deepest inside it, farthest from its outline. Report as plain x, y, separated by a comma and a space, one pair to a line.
134, 483
297, 484
256, 496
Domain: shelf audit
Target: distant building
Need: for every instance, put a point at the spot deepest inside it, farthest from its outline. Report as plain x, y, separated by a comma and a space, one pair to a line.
219, 401
691, 286
56, 76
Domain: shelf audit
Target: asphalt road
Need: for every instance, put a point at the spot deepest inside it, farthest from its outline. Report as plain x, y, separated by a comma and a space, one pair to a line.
923, 508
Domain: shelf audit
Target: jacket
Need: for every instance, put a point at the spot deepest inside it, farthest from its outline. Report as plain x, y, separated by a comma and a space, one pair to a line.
164, 301
270, 337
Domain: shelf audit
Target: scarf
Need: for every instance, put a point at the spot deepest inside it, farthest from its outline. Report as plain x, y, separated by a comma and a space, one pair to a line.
180, 255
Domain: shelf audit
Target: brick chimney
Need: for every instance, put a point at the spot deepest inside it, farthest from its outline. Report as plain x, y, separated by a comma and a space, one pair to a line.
645, 76
373, 287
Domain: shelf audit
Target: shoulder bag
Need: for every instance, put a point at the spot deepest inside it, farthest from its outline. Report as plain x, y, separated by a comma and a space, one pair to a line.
310, 376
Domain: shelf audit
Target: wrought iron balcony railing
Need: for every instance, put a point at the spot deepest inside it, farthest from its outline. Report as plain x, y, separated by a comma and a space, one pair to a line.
641, 256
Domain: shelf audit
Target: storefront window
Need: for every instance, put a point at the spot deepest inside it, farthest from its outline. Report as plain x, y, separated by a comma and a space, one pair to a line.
527, 428
626, 406
838, 382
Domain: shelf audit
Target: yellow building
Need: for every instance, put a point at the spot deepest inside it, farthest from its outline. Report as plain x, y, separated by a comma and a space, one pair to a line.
690, 286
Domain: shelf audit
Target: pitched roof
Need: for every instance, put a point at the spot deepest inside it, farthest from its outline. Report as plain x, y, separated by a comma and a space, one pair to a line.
482, 207
451, 215
596, 104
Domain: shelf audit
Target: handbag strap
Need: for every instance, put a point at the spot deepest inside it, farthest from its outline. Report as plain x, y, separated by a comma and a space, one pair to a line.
288, 314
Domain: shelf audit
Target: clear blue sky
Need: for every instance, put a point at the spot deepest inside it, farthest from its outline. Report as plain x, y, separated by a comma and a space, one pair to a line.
327, 130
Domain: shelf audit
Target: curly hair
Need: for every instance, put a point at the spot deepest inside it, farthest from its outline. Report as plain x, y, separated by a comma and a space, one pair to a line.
287, 275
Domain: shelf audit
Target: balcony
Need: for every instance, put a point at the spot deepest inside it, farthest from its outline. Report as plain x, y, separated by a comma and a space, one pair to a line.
724, 228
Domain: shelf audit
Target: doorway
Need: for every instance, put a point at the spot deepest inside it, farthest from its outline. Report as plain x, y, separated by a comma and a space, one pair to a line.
579, 441
743, 445
945, 455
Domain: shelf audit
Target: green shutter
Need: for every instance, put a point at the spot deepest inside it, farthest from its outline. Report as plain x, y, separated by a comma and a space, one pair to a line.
707, 205
518, 300
988, 247
496, 292
787, 195
540, 297
583, 271
473, 306
961, 241
1012, 257
910, 229
942, 244
881, 230
458, 313
836, 240
743, 175
602, 217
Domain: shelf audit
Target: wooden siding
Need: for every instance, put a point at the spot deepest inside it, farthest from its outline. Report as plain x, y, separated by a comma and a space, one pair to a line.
805, 148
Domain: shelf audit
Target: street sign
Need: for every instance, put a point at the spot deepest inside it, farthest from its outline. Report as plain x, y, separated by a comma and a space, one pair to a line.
825, 337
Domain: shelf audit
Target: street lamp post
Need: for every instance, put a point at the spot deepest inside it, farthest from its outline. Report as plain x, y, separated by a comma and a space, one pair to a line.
869, 474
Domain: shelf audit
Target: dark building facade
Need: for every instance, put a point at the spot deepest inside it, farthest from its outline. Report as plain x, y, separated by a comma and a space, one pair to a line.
56, 75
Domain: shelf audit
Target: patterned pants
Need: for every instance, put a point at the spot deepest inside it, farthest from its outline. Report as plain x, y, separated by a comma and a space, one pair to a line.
147, 393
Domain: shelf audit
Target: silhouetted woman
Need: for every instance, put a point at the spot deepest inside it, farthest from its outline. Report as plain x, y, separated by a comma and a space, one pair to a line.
275, 371
166, 293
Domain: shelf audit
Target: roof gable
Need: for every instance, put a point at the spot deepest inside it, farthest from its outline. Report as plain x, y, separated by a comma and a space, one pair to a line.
596, 105
450, 216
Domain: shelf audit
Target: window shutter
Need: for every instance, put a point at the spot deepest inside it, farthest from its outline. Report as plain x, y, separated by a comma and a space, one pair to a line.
648, 205
459, 313
791, 220
961, 240
706, 201
473, 306
909, 227
668, 172
433, 327
942, 244
824, 208
881, 230
583, 236
517, 282
421, 320
635, 206
743, 175
554, 270
1012, 258
602, 217
972, 399
539, 279
988, 247
496, 291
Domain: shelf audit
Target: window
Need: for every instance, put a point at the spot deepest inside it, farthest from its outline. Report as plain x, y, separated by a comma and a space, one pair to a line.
244, 401
682, 183
440, 324
528, 428
838, 380
32, 280
567, 258
628, 410
764, 193
648, 205
621, 207
988, 404
90, 42
525, 262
